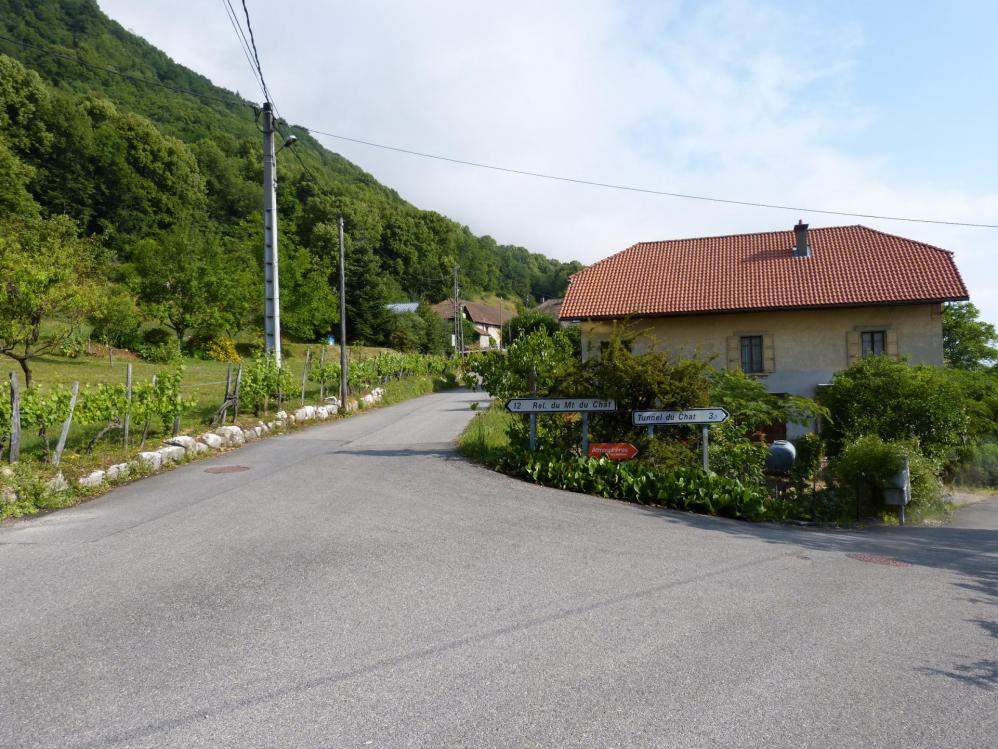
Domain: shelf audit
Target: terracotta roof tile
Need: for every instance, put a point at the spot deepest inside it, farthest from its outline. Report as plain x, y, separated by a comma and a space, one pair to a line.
848, 266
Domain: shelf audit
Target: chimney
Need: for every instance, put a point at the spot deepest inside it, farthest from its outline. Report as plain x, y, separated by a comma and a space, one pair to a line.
801, 248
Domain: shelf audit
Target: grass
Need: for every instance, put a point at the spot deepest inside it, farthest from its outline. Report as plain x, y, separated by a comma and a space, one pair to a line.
485, 439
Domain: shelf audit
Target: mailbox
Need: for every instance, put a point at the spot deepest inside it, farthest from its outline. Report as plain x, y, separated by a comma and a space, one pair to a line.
897, 489
781, 456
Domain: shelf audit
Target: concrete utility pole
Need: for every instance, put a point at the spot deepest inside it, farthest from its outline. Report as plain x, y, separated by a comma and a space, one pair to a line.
271, 286
457, 313
343, 323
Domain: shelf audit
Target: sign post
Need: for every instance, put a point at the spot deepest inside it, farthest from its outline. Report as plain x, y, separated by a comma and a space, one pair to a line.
585, 406
702, 417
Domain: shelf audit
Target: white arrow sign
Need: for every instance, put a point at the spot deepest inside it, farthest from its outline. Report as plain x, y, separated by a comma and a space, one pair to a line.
559, 405
689, 416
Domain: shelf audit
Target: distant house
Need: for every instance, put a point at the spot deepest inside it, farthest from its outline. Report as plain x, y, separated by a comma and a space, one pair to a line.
789, 307
550, 307
487, 319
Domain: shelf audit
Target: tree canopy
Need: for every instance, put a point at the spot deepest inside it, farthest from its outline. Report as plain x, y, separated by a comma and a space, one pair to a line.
140, 166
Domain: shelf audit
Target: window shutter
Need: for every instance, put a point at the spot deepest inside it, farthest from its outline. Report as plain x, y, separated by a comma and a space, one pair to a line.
853, 350
891, 344
768, 354
734, 353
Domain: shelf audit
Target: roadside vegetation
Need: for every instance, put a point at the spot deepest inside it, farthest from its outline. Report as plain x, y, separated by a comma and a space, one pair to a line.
874, 417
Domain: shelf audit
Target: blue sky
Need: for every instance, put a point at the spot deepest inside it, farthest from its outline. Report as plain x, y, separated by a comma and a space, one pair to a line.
927, 72
873, 107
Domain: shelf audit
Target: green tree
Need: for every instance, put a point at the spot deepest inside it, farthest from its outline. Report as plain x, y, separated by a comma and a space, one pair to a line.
49, 287
186, 281
895, 402
968, 341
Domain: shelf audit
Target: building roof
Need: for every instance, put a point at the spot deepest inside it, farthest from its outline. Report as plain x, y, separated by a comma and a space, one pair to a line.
848, 266
477, 312
550, 307
399, 307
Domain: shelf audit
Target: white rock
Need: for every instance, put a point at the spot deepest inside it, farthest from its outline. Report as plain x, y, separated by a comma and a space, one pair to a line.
211, 440
263, 427
8, 495
369, 399
172, 453
281, 416
352, 405
249, 435
272, 425
57, 483
95, 478
231, 435
321, 413
118, 471
305, 413
6, 472
182, 441
152, 461
200, 447
332, 400
378, 393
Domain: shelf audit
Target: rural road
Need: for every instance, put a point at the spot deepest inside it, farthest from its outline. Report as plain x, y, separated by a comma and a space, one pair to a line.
360, 586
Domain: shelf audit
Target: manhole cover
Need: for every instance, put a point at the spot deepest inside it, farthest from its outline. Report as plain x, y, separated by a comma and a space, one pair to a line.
226, 469
878, 559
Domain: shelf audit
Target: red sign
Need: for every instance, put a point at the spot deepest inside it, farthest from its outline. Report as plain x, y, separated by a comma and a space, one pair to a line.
613, 450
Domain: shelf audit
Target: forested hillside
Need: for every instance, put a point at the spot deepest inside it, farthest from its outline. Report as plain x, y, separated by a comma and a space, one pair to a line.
163, 188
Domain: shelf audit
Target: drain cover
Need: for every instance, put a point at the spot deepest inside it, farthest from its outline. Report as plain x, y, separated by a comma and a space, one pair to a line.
226, 469
878, 559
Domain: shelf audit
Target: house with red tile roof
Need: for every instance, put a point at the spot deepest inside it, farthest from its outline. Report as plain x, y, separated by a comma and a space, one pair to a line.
789, 307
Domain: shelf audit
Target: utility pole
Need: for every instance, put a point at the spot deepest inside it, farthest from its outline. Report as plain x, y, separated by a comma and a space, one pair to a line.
271, 286
343, 323
457, 313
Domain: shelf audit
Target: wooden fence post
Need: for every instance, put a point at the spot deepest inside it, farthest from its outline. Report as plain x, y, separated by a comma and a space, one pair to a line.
15, 419
145, 426
128, 404
235, 394
228, 390
304, 374
61, 444
322, 374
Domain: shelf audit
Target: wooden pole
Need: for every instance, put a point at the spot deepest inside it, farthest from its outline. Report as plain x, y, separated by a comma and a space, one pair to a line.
228, 389
128, 403
15, 419
322, 374
61, 444
304, 374
235, 394
145, 427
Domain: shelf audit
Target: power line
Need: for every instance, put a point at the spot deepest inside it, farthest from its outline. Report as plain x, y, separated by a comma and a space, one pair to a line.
128, 76
256, 56
241, 38
648, 191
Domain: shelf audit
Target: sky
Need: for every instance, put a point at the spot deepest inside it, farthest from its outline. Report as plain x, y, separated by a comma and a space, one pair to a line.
880, 107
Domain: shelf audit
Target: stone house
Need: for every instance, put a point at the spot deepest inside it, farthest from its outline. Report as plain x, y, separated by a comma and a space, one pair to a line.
788, 307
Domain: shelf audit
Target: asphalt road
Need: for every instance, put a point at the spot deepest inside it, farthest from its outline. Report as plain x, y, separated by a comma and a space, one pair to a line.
360, 585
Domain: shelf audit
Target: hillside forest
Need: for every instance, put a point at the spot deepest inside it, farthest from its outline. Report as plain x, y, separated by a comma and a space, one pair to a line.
149, 200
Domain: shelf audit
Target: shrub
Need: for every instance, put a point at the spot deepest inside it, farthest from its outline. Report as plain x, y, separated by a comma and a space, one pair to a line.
897, 403
867, 464
117, 321
264, 380
213, 346
978, 465
810, 457
684, 489
158, 346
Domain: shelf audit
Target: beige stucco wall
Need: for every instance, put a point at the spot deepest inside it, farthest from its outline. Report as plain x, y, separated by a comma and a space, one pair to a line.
809, 346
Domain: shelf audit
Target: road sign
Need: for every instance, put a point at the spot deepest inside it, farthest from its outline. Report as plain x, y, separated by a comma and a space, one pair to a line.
558, 405
689, 416
613, 450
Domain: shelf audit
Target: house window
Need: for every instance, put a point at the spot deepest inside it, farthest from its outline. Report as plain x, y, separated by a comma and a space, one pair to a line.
873, 342
752, 354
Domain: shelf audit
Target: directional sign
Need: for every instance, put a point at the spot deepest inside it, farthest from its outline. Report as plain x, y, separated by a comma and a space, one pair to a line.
689, 416
559, 405
613, 450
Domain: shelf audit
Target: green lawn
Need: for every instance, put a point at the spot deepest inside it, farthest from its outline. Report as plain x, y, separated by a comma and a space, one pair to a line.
484, 439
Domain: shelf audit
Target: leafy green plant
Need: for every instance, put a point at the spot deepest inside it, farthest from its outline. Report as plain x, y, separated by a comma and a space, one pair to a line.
867, 464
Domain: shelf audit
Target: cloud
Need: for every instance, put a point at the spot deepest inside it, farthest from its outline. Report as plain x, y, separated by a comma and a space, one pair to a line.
733, 99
